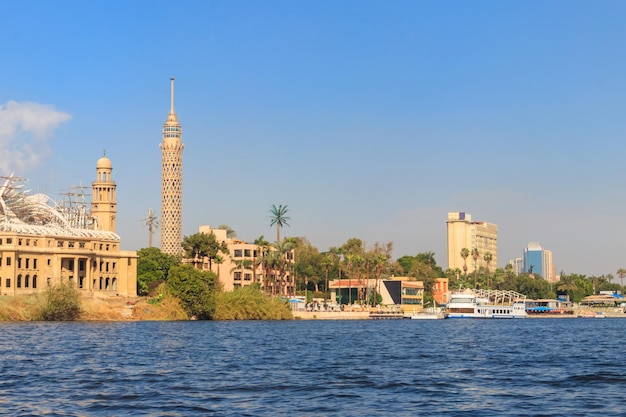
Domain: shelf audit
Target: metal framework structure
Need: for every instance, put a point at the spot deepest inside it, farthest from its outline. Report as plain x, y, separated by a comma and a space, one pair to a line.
38, 215
500, 297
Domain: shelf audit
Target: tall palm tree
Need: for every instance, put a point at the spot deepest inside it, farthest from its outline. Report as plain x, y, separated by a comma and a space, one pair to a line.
278, 217
282, 265
349, 259
381, 261
464, 254
475, 255
358, 265
337, 253
153, 223
621, 273
327, 261
219, 259
488, 257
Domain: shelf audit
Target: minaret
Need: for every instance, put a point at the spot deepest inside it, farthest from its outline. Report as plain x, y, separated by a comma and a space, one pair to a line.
103, 204
172, 183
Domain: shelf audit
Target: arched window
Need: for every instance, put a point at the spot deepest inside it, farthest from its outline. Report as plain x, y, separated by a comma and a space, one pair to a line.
34, 281
26, 281
19, 281
114, 284
107, 284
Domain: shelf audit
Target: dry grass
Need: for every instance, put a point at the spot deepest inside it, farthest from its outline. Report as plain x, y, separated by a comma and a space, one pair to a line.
20, 308
28, 308
168, 308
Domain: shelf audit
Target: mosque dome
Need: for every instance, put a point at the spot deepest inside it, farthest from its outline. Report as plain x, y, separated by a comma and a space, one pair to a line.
104, 163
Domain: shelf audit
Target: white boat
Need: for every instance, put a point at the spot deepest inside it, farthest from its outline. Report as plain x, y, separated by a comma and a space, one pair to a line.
433, 313
493, 304
586, 314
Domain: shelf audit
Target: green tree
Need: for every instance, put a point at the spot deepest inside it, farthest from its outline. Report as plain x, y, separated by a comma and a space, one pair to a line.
230, 233
475, 256
488, 257
464, 254
308, 263
194, 289
152, 268
327, 262
204, 245
278, 218
621, 273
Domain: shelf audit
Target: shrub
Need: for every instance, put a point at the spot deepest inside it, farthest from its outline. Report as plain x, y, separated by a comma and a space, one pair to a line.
249, 303
61, 303
194, 289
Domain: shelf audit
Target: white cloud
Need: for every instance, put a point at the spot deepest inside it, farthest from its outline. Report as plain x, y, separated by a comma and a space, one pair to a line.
25, 131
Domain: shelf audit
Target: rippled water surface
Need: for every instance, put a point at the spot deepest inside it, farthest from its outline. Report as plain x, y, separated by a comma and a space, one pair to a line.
548, 367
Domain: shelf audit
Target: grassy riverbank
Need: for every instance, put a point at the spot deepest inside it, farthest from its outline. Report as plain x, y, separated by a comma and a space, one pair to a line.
236, 305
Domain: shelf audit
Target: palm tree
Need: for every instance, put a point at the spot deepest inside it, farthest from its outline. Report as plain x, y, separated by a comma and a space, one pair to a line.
241, 265
488, 257
349, 259
621, 273
281, 263
278, 217
263, 248
381, 261
464, 254
358, 265
219, 259
327, 261
153, 223
475, 255
337, 253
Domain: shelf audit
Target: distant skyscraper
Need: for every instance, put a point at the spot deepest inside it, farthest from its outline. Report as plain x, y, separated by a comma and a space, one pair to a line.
533, 258
549, 270
518, 265
172, 183
465, 233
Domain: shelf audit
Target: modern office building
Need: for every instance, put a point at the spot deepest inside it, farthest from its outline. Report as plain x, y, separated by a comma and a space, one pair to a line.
533, 259
538, 261
465, 233
44, 243
172, 183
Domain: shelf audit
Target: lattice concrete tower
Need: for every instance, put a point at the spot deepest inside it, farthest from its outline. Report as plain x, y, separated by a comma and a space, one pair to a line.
103, 200
172, 183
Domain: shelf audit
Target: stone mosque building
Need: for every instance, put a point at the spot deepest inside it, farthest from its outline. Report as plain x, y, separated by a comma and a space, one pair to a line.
44, 243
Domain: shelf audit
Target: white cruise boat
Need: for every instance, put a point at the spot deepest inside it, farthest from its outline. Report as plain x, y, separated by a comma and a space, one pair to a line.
486, 304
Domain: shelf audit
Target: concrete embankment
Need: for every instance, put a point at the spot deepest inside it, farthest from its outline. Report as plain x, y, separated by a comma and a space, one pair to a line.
331, 315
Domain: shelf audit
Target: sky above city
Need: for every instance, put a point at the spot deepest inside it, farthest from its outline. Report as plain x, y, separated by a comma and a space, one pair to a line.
368, 119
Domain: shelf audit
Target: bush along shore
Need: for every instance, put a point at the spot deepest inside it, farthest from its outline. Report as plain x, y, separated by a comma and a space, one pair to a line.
64, 303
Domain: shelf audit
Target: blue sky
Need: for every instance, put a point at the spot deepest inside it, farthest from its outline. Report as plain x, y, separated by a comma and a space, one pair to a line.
369, 119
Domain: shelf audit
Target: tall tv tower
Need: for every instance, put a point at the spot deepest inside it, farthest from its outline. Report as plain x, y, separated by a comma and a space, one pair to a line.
172, 183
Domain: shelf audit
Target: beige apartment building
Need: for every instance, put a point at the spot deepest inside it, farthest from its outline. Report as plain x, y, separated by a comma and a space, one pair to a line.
43, 243
465, 233
245, 265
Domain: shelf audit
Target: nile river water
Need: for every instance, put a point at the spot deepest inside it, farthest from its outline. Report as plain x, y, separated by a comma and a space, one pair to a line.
533, 367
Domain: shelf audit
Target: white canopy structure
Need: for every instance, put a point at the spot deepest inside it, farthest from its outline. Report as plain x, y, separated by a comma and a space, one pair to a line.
38, 214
